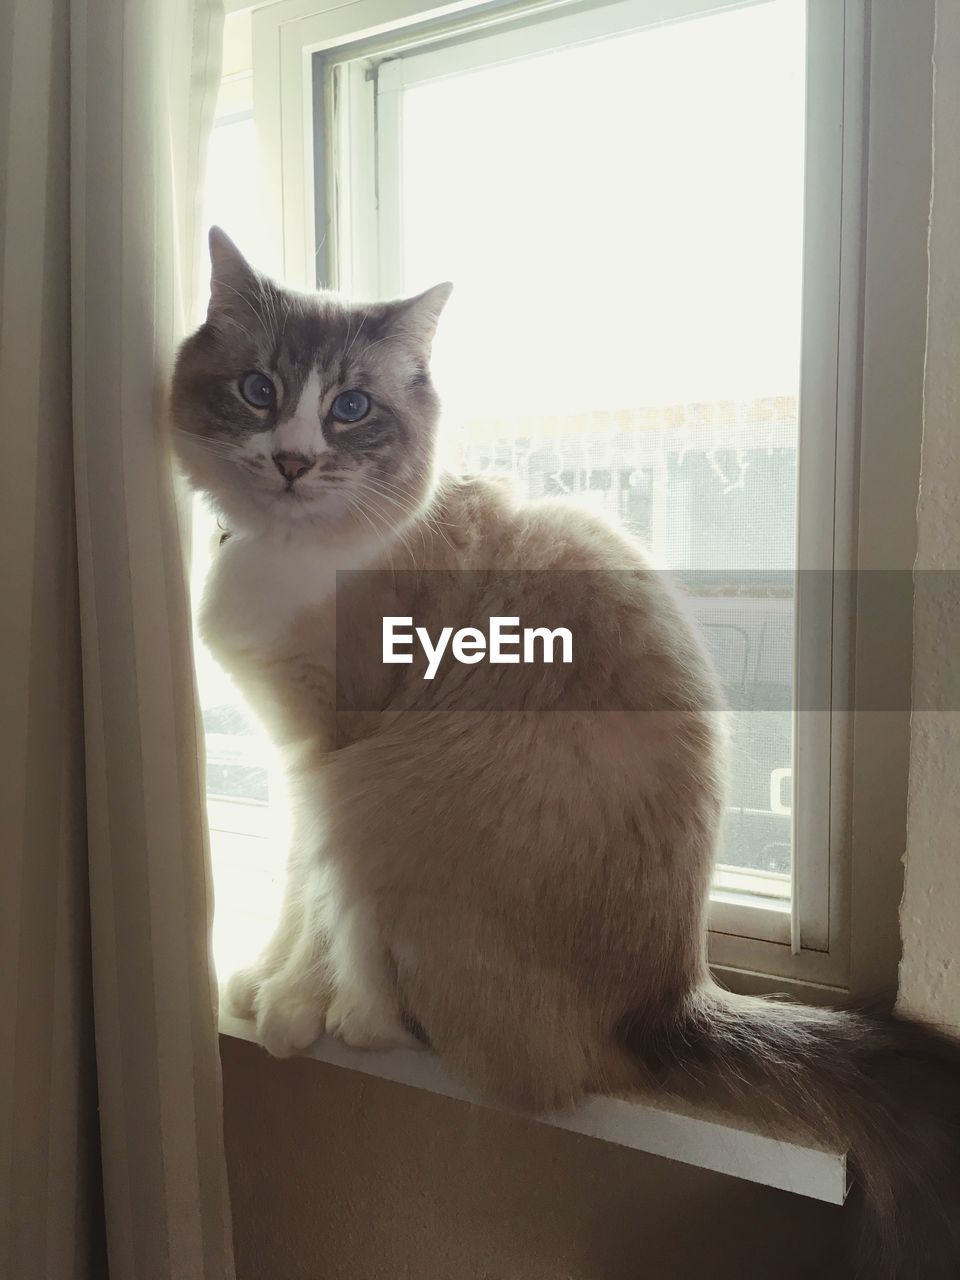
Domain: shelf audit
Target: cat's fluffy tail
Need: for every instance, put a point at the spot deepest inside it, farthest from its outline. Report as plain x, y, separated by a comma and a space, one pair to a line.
885, 1086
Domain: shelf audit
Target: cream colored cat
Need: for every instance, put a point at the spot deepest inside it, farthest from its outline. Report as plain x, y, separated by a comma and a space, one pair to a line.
510, 863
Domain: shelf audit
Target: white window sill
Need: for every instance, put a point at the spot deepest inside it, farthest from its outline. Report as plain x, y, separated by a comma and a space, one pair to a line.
710, 1139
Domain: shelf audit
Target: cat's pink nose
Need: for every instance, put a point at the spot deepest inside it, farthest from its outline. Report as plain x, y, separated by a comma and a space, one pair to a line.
292, 465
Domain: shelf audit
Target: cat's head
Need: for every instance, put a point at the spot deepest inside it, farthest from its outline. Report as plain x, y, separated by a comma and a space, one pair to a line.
303, 411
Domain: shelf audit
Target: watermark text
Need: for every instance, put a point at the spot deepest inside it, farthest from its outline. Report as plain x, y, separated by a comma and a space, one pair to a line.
503, 642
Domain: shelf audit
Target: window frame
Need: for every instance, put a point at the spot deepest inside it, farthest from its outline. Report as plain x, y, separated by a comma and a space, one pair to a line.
874, 374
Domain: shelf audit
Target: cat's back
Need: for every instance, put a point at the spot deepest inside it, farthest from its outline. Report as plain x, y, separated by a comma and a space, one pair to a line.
495, 529
632, 629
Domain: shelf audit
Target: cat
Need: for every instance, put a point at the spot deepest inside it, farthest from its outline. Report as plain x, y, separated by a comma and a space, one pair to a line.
510, 864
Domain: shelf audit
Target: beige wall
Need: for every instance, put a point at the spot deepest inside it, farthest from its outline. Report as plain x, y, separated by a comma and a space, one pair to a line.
337, 1176
930, 917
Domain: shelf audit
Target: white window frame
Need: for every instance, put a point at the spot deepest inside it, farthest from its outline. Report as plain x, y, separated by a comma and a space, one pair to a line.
867, 196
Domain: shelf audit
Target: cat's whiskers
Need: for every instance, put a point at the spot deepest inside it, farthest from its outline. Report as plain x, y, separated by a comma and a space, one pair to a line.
424, 521
247, 303
363, 321
404, 509
237, 325
369, 511
428, 514
358, 507
270, 302
224, 448
370, 483
394, 336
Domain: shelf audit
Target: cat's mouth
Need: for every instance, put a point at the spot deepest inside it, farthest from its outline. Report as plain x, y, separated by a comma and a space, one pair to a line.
318, 501
294, 493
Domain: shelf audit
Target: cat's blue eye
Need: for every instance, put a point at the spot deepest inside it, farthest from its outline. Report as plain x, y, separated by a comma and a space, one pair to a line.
351, 406
257, 389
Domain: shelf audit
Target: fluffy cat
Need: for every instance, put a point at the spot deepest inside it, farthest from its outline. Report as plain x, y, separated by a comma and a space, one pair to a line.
524, 888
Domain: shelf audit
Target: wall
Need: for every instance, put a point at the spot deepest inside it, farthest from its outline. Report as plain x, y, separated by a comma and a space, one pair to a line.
336, 1176
930, 916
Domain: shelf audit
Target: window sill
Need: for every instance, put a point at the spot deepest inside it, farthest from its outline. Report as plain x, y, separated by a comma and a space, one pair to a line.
710, 1139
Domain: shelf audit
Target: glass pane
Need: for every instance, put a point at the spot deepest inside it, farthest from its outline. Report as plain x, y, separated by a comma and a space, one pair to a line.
623, 223
247, 824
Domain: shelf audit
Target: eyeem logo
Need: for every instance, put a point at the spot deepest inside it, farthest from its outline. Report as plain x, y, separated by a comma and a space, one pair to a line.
505, 643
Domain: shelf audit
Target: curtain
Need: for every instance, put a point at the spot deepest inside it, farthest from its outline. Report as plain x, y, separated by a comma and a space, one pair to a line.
111, 1153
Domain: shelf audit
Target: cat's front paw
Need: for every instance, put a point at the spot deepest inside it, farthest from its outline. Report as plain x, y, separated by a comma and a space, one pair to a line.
368, 1024
289, 1019
239, 996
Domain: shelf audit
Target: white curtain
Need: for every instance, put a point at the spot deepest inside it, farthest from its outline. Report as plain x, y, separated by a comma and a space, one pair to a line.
111, 1152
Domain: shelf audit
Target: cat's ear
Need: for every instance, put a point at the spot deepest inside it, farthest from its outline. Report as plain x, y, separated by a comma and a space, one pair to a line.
418, 317
231, 275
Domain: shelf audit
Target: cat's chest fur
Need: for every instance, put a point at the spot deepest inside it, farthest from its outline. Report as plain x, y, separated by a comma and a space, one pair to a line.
256, 592
268, 617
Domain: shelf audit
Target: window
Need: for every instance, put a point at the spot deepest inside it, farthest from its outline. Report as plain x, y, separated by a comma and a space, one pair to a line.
653, 216
625, 230
244, 806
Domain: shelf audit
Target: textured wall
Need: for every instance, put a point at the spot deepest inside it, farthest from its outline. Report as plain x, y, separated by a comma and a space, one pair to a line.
930, 918
337, 1176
